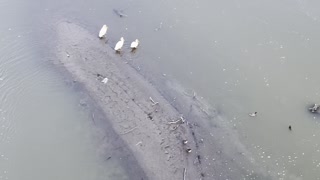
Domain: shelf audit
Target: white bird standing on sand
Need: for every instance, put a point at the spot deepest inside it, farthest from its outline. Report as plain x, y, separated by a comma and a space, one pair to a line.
135, 44
103, 31
119, 44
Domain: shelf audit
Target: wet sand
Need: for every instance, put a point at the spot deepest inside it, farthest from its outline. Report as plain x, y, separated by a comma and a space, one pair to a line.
153, 132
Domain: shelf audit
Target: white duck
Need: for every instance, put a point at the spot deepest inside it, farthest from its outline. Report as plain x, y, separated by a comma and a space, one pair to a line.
119, 44
103, 31
135, 44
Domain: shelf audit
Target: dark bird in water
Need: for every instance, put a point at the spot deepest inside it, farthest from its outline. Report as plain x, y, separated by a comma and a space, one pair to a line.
290, 128
315, 108
253, 114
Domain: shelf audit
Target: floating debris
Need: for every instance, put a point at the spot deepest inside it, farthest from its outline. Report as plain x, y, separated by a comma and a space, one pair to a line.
253, 114
158, 28
182, 119
153, 102
315, 108
119, 13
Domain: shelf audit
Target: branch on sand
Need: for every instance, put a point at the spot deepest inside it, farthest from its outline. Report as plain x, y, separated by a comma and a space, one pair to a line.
129, 131
180, 120
153, 102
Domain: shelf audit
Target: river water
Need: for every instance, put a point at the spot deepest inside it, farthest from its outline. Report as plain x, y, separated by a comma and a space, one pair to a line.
240, 56
49, 129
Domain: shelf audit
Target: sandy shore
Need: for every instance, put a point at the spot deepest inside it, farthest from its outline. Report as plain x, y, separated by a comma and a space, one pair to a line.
153, 132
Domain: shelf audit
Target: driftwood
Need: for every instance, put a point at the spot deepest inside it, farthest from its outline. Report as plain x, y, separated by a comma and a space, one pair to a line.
182, 120
129, 131
153, 102
93, 119
315, 108
140, 142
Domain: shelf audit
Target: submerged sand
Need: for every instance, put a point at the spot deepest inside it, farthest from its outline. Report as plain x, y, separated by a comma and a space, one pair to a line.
154, 132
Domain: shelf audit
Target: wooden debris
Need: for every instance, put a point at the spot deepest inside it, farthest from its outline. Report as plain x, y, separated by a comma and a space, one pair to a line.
253, 114
181, 119
194, 95
139, 143
175, 127
119, 13
314, 108
129, 131
153, 102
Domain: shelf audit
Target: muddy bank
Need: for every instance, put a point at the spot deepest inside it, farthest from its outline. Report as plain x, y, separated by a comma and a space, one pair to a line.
153, 129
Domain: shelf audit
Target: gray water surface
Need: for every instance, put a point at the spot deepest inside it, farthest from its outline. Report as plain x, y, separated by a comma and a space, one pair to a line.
49, 129
242, 57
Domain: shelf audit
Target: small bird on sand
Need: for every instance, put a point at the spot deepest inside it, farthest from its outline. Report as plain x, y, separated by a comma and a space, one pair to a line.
103, 31
119, 44
135, 44
189, 150
253, 114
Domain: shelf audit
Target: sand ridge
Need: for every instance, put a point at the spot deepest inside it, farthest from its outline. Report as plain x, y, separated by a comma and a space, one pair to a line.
154, 121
